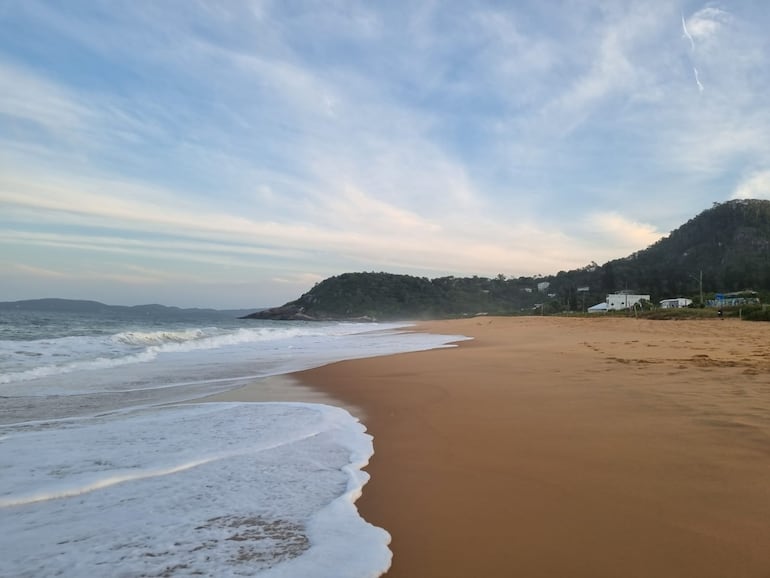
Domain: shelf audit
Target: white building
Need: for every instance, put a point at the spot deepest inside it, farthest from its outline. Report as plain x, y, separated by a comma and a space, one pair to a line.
675, 303
543, 285
621, 301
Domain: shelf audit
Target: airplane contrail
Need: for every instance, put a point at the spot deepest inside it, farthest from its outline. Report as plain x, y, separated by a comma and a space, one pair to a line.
687, 33
697, 80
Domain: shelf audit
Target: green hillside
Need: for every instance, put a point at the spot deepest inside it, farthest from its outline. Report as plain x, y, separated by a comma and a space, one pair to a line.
724, 249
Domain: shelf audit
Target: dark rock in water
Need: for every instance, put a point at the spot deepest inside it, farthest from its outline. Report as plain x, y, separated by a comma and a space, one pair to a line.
283, 313
293, 312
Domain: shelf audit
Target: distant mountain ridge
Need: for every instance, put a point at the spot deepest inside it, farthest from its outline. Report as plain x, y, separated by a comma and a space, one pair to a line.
725, 248
85, 306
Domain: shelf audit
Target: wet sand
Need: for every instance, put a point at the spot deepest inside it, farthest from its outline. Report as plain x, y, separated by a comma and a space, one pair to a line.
598, 447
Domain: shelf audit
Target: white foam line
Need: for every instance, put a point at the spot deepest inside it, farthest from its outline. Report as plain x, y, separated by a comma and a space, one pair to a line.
101, 484
142, 475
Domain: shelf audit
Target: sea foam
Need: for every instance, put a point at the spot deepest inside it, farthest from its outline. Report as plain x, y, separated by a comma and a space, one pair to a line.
202, 489
99, 475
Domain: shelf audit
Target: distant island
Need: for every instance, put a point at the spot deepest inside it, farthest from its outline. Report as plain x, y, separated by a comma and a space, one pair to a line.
723, 249
83, 306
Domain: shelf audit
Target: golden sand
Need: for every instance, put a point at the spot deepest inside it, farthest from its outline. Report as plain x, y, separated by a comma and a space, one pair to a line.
569, 447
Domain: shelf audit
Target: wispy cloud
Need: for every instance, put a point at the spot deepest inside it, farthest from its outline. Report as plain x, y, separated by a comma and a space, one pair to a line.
29, 97
130, 274
301, 280
260, 141
755, 186
706, 23
38, 272
621, 231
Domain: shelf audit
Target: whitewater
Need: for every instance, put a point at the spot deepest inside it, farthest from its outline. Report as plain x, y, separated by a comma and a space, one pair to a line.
108, 465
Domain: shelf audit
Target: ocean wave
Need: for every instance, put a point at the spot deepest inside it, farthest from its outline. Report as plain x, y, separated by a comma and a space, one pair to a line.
72, 354
147, 338
57, 369
51, 358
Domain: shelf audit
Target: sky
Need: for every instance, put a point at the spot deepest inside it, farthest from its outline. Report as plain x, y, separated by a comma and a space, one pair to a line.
231, 154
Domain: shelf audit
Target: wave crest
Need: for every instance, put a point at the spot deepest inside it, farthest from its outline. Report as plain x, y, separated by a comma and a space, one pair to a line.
142, 338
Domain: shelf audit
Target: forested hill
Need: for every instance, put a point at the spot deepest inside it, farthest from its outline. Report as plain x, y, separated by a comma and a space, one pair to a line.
729, 244
723, 249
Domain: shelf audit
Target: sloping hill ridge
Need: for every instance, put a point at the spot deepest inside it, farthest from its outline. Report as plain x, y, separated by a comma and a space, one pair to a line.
725, 248
729, 244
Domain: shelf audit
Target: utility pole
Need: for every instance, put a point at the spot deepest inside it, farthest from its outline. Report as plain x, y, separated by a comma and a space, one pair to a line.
702, 304
700, 285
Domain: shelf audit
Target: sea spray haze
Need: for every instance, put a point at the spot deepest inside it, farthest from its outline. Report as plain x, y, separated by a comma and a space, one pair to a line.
104, 472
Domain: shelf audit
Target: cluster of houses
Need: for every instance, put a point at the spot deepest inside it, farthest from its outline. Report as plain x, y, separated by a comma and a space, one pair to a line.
626, 300
623, 301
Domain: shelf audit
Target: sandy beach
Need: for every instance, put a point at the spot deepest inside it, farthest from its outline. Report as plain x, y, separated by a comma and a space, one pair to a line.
596, 447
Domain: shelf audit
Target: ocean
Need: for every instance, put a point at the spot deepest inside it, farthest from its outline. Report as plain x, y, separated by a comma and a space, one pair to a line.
108, 466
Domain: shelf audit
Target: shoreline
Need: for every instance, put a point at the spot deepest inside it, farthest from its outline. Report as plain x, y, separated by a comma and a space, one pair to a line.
565, 447
569, 447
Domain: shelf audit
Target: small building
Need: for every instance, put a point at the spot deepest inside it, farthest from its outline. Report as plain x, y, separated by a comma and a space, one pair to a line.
736, 299
543, 285
675, 303
622, 301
